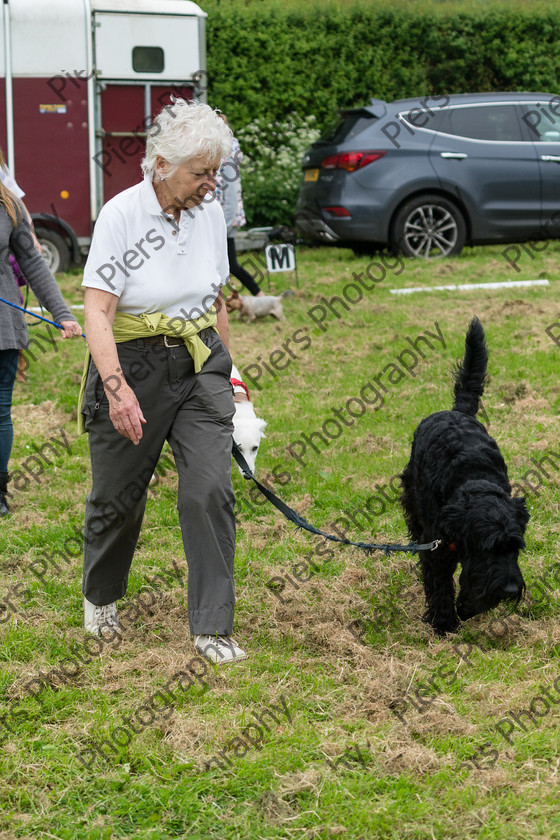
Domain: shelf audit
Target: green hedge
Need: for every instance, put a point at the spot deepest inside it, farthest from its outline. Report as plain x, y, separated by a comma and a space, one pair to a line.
273, 62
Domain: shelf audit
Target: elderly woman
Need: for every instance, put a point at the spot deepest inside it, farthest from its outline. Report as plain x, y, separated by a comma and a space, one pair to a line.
157, 332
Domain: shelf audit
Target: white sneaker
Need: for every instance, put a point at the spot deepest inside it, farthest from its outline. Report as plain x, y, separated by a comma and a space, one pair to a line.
219, 649
97, 618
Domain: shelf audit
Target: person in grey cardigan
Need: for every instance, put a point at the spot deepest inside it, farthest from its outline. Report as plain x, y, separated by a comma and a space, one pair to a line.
16, 237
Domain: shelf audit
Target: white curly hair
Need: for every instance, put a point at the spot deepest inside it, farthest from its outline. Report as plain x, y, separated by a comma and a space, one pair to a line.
183, 131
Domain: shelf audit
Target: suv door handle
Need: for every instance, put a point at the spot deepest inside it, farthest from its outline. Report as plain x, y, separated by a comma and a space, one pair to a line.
551, 158
453, 155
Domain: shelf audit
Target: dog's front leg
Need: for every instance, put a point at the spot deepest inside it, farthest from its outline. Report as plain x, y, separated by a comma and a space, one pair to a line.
437, 572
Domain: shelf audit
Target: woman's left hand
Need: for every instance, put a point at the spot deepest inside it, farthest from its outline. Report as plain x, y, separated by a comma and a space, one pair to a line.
71, 328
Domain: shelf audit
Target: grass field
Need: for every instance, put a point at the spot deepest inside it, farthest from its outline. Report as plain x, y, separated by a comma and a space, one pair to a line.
350, 718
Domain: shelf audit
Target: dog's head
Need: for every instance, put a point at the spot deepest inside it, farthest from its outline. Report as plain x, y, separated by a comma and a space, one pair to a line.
487, 527
233, 301
248, 431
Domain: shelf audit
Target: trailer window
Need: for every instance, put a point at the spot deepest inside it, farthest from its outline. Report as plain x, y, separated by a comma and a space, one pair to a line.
147, 59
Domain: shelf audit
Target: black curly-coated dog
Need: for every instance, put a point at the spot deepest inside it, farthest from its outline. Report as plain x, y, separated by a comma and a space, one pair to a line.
456, 489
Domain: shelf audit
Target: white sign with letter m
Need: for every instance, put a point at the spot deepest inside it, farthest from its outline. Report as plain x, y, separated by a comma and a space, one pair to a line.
280, 258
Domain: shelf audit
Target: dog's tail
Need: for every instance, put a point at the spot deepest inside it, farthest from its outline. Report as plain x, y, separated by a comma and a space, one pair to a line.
470, 374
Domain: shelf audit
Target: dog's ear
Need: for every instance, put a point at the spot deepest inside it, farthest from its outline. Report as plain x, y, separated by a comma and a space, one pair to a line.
262, 426
522, 515
450, 523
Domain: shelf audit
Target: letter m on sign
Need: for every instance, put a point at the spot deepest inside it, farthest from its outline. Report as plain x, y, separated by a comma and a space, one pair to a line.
280, 258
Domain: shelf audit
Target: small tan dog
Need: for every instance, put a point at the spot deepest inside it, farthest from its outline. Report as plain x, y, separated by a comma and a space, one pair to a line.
256, 307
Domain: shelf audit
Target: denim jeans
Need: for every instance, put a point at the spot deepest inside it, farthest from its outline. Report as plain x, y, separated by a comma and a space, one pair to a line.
8, 370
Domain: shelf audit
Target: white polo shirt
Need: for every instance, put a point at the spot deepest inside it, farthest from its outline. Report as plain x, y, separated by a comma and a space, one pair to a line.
150, 263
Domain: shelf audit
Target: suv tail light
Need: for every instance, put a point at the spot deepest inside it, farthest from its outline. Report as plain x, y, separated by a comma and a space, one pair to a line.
350, 160
339, 211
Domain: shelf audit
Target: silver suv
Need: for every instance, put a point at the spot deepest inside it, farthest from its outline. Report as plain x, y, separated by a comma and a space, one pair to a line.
427, 176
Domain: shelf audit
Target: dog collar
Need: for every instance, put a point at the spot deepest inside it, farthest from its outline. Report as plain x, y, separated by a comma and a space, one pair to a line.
451, 546
238, 383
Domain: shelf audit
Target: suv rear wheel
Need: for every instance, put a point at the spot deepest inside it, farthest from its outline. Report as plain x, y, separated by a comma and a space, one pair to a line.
429, 226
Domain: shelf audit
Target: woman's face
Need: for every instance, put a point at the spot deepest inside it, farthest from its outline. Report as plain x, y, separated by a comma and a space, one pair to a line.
188, 185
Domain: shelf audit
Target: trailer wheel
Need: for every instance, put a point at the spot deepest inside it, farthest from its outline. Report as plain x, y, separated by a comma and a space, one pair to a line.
55, 250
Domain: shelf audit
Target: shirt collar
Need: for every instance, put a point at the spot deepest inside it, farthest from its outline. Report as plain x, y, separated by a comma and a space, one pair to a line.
153, 207
149, 198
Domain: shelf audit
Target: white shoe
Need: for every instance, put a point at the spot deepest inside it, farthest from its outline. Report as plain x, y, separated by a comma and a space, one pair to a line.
219, 649
96, 619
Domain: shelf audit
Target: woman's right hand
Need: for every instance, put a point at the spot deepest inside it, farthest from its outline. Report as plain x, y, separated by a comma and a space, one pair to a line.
125, 412
124, 409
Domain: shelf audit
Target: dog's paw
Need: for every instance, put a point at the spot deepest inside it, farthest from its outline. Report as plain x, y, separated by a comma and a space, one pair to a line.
440, 625
466, 608
443, 631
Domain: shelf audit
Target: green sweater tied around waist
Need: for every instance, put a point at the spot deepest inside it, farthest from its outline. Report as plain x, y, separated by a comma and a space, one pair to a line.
129, 327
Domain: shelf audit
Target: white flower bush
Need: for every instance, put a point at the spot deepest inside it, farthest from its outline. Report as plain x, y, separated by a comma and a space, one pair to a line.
271, 169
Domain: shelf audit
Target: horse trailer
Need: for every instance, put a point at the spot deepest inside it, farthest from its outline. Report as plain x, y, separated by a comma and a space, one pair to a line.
80, 82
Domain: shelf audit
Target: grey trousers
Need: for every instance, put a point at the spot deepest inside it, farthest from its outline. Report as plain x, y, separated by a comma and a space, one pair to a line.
194, 413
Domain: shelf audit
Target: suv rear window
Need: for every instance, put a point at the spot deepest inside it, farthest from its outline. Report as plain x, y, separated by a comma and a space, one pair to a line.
485, 122
350, 125
545, 130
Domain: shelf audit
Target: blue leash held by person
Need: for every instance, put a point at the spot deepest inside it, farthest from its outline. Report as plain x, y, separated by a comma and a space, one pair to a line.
34, 314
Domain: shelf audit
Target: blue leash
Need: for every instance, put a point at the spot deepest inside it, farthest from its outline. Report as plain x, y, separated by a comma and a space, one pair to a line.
40, 317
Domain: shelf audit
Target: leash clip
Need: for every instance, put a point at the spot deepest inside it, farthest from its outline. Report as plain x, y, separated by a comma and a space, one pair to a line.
437, 544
